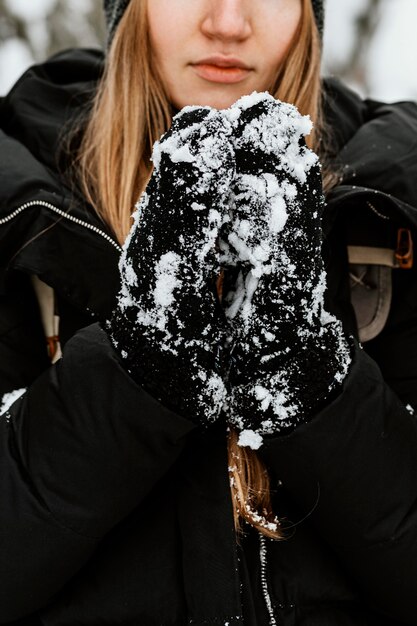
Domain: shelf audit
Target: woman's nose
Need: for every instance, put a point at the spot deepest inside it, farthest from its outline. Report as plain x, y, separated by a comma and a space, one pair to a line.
227, 20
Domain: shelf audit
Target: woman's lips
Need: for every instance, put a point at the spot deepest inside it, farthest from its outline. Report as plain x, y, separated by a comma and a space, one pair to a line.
217, 74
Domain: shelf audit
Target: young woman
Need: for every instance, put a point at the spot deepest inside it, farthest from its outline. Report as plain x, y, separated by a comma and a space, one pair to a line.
215, 446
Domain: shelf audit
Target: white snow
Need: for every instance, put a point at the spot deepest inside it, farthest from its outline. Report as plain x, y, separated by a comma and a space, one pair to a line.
250, 439
217, 390
246, 102
129, 274
10, 398
182, 154
278, 216
166, 281
261, 520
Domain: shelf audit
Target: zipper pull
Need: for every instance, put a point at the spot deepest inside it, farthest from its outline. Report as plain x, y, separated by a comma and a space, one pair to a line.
404, 252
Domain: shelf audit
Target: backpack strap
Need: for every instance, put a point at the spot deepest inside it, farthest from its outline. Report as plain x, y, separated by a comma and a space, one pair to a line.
50, 320
366, 255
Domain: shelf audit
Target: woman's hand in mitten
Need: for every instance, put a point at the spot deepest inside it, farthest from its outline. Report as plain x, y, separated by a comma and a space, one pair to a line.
289, 354
168, 325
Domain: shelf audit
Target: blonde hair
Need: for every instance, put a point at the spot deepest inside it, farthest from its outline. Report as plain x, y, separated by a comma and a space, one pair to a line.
130, 112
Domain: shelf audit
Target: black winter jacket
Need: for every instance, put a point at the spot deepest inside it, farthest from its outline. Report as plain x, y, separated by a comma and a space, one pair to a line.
113, 509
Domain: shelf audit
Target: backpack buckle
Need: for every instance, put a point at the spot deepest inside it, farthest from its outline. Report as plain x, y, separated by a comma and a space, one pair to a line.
404, 252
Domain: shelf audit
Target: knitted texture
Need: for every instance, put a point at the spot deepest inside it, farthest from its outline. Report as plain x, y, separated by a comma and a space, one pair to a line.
289, 355
168, 325
114, 10
318, 6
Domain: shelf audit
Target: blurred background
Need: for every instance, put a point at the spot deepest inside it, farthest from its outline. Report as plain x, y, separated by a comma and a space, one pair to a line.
371, 44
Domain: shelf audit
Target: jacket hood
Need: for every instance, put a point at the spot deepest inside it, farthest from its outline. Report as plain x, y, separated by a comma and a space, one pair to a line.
45, 227
375, 151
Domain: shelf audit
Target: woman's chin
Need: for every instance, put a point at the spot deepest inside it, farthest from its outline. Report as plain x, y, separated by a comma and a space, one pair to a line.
220, 96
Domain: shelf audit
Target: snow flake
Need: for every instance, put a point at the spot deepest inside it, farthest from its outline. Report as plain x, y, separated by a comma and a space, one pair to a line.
166, 282
250, 439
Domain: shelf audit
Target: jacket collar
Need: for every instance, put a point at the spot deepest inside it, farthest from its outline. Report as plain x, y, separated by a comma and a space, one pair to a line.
45, 229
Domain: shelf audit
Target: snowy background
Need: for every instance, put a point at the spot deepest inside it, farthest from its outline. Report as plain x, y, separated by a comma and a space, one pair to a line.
371, 44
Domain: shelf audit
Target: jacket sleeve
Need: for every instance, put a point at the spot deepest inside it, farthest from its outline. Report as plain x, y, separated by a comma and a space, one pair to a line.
78, 452
354, 469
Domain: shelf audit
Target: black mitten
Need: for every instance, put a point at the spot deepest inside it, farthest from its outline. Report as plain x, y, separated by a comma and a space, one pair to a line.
289, 354
168, 325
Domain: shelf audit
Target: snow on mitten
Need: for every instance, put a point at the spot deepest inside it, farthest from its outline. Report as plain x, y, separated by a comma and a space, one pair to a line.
289, 354
168, 325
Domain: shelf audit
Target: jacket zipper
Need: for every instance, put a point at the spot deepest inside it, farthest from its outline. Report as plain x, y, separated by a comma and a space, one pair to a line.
66, 216
264, 582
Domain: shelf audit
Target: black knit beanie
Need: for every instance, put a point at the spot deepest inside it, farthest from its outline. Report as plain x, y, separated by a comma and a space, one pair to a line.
114, 10
318, 6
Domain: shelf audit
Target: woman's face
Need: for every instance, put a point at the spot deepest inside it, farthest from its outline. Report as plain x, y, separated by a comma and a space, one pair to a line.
211, 52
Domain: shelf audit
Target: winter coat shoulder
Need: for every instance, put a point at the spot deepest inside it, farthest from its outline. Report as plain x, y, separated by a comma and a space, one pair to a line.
115, 510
